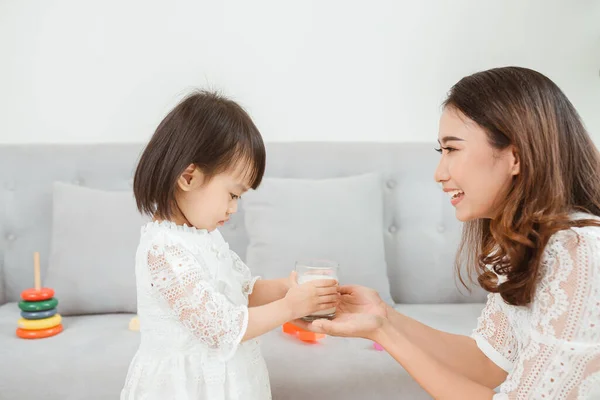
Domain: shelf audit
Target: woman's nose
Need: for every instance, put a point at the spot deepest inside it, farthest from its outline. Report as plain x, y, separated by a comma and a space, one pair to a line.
441, 172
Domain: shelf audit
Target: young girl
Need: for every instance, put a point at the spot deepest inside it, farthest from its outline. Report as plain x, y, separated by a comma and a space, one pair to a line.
200, 309
524, 175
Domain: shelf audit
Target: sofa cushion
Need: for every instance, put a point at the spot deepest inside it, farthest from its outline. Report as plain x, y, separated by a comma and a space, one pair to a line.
90, 358
340, 219
94, 238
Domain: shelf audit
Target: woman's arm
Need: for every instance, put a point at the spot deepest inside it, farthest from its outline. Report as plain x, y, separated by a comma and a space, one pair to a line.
440, 380
437, 378
457, 352
362, 313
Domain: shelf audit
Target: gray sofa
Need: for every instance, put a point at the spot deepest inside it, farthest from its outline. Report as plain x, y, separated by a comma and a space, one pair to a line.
89, 359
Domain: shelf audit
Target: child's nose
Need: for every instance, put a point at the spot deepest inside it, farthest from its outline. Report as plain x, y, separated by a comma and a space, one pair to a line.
233, 206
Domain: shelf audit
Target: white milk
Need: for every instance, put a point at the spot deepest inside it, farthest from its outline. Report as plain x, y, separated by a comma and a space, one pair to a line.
314, 277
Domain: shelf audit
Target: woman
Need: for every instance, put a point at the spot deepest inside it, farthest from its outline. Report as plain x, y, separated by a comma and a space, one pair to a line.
523, 174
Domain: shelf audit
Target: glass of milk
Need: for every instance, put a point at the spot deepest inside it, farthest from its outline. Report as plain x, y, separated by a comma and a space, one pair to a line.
311, 270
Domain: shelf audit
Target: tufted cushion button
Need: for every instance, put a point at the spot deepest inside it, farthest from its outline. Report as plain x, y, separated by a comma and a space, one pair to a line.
11, 237
441, 228
391, 184
77, 182
392, 229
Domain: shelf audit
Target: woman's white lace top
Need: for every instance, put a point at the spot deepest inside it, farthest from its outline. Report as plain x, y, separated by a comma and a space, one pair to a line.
551, 348
192, 293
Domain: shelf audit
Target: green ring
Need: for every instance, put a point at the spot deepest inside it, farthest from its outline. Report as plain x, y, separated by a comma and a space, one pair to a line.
38, 305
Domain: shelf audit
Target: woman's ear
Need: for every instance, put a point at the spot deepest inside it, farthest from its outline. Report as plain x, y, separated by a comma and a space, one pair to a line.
515, 167
190, 179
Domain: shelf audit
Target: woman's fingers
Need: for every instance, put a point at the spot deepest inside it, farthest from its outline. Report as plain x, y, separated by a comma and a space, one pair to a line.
347, 289
323, 326
300, 323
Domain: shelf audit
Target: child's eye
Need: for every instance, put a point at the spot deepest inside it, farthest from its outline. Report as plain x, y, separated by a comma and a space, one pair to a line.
234, 196
448, 149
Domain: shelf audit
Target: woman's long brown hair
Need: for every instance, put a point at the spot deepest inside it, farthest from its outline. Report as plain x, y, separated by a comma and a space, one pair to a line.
559, 174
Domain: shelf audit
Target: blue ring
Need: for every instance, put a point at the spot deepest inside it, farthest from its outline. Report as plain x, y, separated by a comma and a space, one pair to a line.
38, 314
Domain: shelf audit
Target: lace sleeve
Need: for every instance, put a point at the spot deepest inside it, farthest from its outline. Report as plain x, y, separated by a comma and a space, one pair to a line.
248, 280
561, 360
184, 283
494, 334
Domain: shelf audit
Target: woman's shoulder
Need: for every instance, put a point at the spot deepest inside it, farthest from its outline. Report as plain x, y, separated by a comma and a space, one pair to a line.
588, 235
574, 252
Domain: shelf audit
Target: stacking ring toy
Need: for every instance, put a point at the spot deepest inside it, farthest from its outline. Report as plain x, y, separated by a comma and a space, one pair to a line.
34, 294
38, 324
40, 318
38, 314
40, 333
38, 305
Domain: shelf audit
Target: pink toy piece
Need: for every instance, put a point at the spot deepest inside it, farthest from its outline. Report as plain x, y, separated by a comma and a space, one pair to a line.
377, 346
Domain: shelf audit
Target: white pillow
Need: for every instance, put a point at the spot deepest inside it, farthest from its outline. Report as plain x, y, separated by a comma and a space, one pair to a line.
340, 219
95, 234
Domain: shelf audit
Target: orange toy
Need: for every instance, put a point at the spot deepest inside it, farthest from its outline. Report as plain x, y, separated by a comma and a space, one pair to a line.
39, 315
39, 333
305, 336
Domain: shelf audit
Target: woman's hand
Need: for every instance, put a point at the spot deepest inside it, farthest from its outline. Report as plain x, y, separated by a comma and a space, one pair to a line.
357, 299
360, 313
365, 326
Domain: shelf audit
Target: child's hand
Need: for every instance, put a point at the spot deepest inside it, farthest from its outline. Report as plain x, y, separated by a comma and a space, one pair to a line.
310, 297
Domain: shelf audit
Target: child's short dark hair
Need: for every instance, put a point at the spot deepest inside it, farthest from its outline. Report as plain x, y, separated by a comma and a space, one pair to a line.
205, 129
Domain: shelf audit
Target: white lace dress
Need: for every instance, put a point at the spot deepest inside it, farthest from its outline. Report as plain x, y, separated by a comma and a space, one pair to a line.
192, 296
551, 348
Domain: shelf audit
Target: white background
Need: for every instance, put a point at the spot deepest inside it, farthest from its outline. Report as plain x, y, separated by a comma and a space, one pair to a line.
76, 71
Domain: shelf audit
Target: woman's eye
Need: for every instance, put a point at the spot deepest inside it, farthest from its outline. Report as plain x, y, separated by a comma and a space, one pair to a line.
448, 149
234, 196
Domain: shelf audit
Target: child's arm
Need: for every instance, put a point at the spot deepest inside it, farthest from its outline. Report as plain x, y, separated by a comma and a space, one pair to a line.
267, 291
300, 300
260, 291
184, 283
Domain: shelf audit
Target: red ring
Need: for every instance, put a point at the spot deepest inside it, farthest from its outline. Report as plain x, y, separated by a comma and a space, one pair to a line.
32, 294
39, 334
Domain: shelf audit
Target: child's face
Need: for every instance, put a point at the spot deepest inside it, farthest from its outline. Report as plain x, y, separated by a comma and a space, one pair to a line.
208, 204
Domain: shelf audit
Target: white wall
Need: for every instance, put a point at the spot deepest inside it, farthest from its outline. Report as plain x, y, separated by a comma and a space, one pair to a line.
339, 70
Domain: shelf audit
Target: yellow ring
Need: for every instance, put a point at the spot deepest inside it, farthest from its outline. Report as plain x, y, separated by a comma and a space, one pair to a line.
35, 324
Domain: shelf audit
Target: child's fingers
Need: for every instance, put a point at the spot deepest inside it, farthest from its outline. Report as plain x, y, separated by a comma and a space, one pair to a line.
327, 291
329, 299
324, 283
325, 306
292, 279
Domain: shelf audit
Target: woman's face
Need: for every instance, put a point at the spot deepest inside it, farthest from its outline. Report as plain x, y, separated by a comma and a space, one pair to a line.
475, 175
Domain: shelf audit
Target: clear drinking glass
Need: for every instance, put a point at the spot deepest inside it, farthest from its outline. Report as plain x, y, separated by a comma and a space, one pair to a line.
311, 270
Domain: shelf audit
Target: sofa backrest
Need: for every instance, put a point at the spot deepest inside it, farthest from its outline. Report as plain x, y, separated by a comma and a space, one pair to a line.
421, 233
